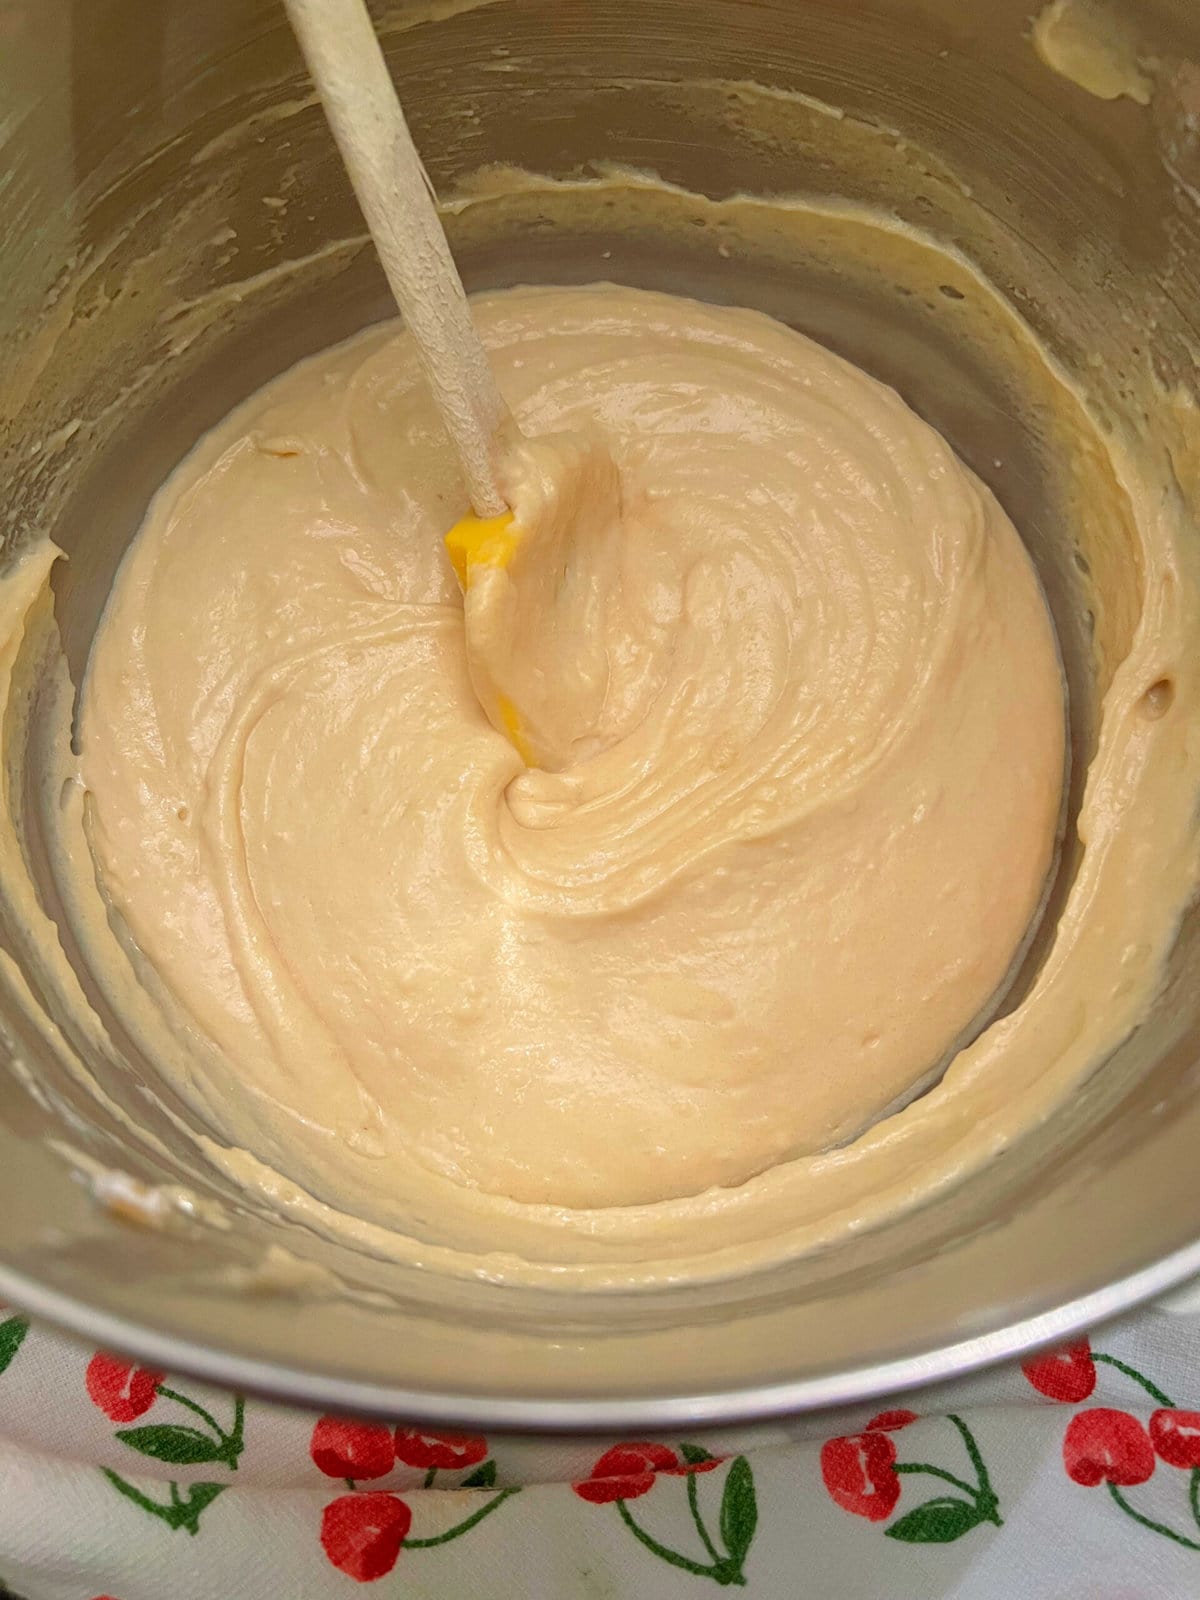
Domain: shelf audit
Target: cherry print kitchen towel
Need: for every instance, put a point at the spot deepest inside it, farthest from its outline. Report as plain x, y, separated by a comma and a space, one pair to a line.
1073, 1477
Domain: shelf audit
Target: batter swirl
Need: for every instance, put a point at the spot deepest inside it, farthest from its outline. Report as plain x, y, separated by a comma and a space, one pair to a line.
806, 713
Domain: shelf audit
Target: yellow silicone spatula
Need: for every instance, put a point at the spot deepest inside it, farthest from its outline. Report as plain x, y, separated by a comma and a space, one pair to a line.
526, 651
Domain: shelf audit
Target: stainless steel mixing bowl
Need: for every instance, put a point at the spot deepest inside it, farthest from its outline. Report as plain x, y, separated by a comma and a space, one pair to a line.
176, 229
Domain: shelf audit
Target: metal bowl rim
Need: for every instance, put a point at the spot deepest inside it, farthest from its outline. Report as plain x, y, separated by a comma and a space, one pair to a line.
316, 1389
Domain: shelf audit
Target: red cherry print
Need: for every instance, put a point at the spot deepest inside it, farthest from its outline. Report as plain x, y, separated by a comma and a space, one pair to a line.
121, 1390
627, 1471
346, 1449
890, 1421
362, 1534
860, 1474
427, 1450
1175, 1436
1107, 1445
1066, 1374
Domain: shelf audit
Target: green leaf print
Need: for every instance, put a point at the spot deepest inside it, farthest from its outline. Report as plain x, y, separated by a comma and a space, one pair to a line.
12, 1336
939, 1521
182, 1447
739, 1511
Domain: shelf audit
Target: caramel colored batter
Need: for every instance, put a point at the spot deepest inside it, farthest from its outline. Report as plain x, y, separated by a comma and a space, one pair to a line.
799, 714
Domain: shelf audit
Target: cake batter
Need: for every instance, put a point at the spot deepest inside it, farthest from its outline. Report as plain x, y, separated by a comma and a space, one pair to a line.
790, 817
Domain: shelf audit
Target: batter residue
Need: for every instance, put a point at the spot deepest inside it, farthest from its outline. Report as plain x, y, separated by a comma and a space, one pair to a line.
792, 672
